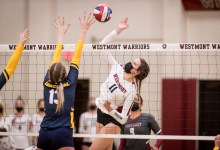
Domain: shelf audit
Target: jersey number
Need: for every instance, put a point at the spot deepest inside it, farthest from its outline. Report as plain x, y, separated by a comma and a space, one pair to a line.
52, 93
113, 88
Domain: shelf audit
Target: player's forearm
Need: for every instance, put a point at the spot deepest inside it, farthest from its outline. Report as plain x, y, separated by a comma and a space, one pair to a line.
82, 35
159, 141
109, 38
77, 53
57, 53
13, 62
117, 116
106, 56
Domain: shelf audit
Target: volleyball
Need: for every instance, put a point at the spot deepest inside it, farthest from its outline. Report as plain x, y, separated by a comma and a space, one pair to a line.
102, 13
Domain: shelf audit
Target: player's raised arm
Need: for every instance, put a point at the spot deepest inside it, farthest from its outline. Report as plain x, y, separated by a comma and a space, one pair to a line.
85, 23
13, 61
62, 29
122, 25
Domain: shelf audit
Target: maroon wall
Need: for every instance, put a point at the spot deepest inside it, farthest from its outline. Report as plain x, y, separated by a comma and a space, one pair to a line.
178, 112
198, 5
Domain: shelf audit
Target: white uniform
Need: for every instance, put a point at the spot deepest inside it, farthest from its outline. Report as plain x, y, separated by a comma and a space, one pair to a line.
36, 120
87, 125
5, 143
21, 125
4, 123
115, 89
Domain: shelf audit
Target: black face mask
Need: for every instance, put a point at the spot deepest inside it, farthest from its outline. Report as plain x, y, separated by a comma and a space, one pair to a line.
19, 109
135, 106
1, 110
92, 107
128, 67
41, 109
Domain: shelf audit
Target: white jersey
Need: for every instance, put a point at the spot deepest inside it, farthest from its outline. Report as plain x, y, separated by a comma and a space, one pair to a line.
21, 125
115, 89
4, 123
36, 121
87, 125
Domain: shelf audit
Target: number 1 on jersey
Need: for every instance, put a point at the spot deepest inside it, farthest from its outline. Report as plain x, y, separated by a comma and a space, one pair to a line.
51, 99
113, 87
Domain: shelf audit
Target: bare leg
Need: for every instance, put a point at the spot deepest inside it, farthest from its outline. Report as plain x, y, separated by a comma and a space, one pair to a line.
105, 143
99, 126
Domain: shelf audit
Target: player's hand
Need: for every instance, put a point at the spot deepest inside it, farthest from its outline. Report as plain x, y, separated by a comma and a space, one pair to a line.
86, 22
107, 105
123, 24
24, 36
62, 28
217, 140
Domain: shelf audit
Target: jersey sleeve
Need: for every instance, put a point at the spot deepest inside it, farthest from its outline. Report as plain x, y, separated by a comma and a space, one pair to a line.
72, 75
56, 59
75, 62
57, 53
11, 66
154, 126
216, 148
105, 55
3, 79
122, 117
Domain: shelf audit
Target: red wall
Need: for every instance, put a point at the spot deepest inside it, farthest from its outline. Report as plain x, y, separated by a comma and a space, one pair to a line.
178, 112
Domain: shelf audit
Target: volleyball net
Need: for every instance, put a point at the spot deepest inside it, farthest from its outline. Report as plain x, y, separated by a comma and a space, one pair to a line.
182, 90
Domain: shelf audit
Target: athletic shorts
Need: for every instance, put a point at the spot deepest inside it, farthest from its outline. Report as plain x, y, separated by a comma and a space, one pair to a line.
105, 119
53, 139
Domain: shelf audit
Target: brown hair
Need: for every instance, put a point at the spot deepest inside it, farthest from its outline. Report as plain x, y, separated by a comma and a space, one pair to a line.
140, 98
57, 75
144, 71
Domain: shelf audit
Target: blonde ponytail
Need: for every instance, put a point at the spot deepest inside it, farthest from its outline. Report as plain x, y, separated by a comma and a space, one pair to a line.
57, 76
60, 94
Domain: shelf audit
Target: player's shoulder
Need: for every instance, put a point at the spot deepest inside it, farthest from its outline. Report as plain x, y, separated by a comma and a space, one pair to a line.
147, 115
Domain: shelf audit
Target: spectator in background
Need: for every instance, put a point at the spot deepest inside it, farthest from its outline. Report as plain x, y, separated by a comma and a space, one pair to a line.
37, 119
87, 124
4, 127
20, 123
139, 123
217, 143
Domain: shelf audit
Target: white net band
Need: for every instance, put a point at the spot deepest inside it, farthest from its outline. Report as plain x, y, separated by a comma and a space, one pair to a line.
121, 136
120, 47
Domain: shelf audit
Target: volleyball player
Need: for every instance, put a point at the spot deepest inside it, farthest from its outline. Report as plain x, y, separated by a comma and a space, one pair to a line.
59, 93
13, 61
117, 92
139, 123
